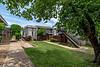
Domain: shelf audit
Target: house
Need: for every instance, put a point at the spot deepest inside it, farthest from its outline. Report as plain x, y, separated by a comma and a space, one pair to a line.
30, 30
5, 34
2, 20
50, 33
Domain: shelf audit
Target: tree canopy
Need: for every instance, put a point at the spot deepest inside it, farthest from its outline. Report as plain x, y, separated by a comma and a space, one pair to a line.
41, 31
76, 16
70, 13
15, 29
2, 26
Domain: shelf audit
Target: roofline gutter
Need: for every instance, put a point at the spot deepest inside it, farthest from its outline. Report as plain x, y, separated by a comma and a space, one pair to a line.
3, 20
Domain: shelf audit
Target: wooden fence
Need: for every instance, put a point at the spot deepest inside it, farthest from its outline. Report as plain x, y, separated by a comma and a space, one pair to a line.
59, 38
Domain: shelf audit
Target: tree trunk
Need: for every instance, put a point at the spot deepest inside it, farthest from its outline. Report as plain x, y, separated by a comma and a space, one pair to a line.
90, 32
96, 46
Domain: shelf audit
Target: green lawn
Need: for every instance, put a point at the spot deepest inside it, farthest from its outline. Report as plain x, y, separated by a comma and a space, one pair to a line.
48, 55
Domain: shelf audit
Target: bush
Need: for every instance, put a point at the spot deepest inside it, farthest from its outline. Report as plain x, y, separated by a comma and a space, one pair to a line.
53, 40
41, 31
18, 36
15, 29
28, 38
2, 27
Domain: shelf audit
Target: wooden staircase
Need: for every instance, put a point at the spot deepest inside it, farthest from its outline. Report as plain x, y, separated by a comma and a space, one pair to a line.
74, 41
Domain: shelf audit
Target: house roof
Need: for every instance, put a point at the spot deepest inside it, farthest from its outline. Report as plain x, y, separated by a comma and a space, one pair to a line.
31, 26
3, 20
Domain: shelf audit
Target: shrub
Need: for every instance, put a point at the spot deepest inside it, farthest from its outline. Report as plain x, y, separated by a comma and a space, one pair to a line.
15, 29
53, 40
2, 27
28, 38
41, 31
18, 36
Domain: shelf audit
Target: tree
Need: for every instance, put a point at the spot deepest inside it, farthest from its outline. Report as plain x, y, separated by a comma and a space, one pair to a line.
16, 30
18, 35
75, 15
2, 27
41, 31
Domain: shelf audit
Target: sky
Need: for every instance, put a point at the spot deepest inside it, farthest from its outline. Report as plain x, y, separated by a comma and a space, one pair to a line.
12, 19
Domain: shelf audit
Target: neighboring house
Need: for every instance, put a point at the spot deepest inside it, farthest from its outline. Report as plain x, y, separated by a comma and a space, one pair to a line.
30, 30
5, 34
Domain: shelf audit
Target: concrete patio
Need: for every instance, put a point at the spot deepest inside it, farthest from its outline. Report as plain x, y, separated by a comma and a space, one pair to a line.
14, 56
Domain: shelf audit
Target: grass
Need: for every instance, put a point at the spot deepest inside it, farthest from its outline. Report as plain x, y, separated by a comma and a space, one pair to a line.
48, 55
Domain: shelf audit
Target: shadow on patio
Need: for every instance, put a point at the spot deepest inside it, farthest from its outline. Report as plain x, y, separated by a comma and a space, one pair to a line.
17, 57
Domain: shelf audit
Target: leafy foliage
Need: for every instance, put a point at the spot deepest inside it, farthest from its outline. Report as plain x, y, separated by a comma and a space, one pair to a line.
2, 26
18, 36
53, 40
70, 13
41, 31
16, 30
77, 16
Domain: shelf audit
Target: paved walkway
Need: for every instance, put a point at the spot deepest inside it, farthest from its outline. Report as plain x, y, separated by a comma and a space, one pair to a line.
3, 53
16, 56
